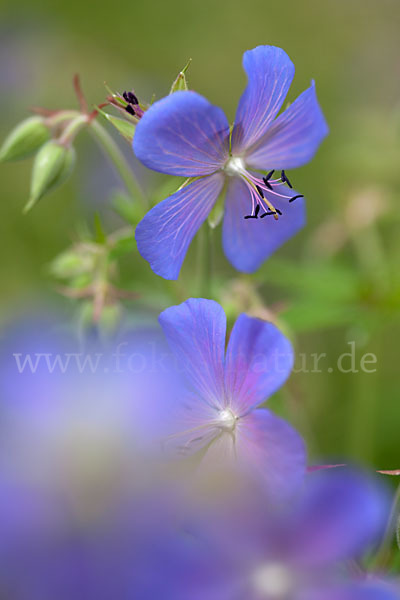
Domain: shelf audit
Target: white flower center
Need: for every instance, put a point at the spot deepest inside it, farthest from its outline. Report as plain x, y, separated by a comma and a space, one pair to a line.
273, 580
234, 166
227, 420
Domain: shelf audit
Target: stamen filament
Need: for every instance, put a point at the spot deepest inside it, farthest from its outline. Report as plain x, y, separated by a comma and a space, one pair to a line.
254, 192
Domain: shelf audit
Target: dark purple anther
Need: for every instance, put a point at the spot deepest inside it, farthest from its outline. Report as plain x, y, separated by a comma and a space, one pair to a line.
259, 190
267, 183
129, 109
285, 179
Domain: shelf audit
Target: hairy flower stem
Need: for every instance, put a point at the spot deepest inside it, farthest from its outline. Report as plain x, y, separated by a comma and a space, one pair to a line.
73, 129
61, 116
122, 166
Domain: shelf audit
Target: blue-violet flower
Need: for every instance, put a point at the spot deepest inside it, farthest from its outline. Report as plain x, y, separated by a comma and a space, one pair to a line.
183, 134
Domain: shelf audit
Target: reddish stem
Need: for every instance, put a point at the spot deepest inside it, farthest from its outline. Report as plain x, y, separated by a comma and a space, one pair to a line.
95, 112
79, 94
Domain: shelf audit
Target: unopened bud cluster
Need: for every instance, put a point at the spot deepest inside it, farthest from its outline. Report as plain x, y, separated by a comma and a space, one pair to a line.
46, 138
25, 139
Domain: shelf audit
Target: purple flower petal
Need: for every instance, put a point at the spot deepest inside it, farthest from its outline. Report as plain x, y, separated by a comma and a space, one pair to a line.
189, 419
164, 235
270, 73
293, 138
195, 331
249, 242
342, 513
220, 456
183, 134
259, 359
273, 450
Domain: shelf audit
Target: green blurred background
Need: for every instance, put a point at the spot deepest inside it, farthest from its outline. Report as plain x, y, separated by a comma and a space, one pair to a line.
336, 282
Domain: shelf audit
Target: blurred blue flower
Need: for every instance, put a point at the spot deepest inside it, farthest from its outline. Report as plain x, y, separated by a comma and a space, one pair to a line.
183, 134
87, 512
306, 550
217, 409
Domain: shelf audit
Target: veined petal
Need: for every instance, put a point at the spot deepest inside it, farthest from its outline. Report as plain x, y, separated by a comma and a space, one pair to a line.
195, 331
273, 450
182, 134
164, 235
293, 138
270, 73
259, 359
248, 243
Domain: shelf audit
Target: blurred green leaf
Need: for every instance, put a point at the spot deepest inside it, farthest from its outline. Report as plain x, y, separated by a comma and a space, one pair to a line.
100, 235
128, 209
313, 315
123, 246
333, 282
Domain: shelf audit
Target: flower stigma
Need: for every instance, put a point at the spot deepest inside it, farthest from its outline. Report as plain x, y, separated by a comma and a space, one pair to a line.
227, 419
234, 166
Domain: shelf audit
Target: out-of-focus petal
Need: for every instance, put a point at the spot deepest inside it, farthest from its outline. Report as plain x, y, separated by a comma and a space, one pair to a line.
164, 235
342, 512
273, 450
259, 359
270, 73
354, 591
195, 331
182, 134
249, 242
293, 138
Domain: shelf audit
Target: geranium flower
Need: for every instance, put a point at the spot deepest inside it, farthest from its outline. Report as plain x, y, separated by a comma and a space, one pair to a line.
183, 134
305, 550
217, 410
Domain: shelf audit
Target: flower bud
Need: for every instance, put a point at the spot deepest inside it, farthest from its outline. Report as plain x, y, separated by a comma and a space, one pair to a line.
79, 260
24, 139
180, 83
53, 164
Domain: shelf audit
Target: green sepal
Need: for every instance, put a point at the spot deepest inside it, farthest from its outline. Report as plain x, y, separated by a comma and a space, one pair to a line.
24, 139
53, 164
180, 84
123, 126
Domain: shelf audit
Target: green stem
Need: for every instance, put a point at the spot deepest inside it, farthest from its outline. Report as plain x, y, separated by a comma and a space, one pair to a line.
204, 260
121, 164
65, 115
72, 129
